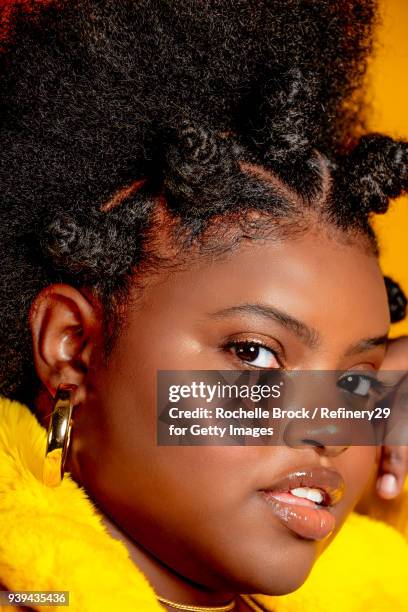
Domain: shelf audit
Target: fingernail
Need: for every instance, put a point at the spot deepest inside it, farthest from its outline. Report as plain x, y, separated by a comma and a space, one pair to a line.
387, 486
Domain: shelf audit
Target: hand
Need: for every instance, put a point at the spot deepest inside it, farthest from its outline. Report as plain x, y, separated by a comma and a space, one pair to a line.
393, 466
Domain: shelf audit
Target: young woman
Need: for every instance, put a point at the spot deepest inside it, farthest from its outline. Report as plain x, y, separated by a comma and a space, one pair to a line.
183, 189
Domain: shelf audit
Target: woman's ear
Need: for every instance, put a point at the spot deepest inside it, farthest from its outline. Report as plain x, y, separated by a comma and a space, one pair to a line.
66, 327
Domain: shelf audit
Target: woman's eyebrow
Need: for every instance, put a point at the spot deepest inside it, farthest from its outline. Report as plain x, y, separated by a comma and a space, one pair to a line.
308, 335
366, 344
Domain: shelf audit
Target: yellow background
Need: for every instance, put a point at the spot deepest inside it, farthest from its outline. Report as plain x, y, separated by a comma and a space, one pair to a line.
388, 97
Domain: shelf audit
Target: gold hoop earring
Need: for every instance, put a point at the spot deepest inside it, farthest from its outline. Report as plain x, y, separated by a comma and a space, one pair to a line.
58, 437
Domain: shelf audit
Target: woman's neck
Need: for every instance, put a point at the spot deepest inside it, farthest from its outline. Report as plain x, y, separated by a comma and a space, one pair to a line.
166, 582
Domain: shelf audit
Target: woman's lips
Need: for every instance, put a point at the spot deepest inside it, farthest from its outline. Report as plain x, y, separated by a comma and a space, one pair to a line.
301, 501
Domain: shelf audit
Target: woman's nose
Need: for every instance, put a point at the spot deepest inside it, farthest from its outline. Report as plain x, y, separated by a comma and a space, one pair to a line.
318, 395
323, 449
329, 439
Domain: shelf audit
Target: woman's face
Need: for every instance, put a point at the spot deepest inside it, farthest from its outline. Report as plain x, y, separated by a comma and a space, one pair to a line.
200, 510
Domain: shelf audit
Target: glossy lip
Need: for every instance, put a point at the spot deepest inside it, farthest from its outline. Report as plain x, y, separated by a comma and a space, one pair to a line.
328, 481
305, 518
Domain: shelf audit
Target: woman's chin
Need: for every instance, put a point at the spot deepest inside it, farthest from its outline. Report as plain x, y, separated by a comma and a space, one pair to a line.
284, 573
282, 583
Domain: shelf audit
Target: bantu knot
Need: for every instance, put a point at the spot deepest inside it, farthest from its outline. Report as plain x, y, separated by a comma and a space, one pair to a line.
396, 300
199, 170
375, 171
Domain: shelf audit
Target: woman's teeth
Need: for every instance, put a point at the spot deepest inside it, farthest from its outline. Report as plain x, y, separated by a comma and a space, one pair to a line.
314, 495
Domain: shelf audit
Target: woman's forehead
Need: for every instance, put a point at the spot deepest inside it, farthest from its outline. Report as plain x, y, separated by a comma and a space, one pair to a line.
311, 275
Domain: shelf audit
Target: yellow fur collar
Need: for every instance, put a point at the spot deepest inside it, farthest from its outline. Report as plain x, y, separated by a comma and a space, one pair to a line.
52, 539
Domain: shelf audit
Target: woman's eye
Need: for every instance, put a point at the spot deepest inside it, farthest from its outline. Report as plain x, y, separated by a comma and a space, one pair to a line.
255, 354
358, 384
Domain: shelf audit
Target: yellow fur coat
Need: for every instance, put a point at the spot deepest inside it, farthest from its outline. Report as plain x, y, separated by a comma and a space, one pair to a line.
52, 539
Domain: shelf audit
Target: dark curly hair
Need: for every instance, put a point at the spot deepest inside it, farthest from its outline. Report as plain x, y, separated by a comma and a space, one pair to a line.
215, 108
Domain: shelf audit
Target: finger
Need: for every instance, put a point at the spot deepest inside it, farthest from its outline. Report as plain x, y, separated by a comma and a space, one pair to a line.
393, 469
